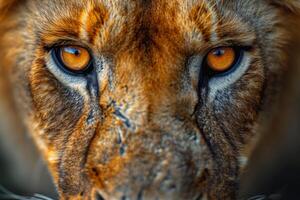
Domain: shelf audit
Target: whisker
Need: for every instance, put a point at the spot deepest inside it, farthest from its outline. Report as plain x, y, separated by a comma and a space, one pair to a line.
258, 197
42, 197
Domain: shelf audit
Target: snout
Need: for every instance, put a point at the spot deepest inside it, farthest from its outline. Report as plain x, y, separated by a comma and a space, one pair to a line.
148, 145
159, 165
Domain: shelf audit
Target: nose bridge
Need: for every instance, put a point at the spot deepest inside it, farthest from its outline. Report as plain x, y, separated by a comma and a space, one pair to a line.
144, 81
145, 107
149, 95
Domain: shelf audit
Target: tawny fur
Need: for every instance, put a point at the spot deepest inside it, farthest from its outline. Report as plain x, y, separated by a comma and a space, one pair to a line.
146, 127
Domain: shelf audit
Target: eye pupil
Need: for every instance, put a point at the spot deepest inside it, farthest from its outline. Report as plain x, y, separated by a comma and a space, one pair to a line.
219, 52
72, 50
77, 53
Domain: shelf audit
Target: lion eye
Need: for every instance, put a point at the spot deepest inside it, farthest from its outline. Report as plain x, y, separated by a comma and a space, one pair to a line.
222, 59
73, 58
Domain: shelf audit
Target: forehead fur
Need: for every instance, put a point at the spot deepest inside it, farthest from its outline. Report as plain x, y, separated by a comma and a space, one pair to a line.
100, 21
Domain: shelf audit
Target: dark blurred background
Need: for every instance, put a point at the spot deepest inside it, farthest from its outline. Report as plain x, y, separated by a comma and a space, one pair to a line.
22, 170
274, 168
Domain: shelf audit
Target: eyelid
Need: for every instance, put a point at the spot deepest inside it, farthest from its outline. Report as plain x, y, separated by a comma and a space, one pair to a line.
230, 45
230, 41
64, 42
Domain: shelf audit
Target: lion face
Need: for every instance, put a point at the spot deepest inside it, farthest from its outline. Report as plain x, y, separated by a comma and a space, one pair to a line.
143, 99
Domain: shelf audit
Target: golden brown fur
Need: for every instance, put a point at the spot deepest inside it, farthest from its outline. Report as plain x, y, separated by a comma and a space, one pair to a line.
145, 124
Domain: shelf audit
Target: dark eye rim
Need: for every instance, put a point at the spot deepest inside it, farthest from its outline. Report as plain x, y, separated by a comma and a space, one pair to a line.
56, 56
239, 54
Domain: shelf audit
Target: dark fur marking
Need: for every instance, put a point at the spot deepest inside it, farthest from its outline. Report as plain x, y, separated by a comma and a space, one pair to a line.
230, 139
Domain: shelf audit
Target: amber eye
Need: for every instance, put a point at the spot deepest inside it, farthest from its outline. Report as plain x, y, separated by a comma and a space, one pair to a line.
222, 59
74, 58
